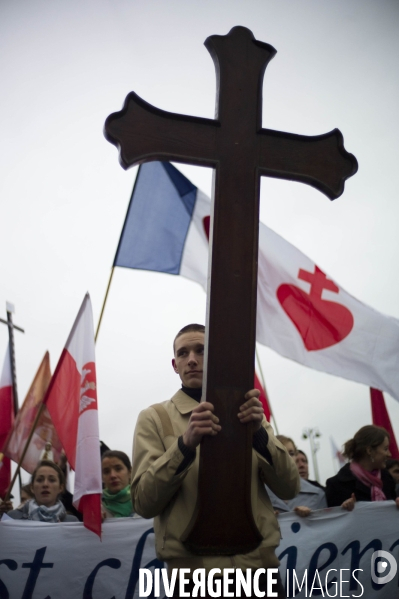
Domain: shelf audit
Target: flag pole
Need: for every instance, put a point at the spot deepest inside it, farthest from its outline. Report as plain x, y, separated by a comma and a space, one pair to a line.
103, 306
113, 266
10, 309
21, 459
264, 386
334, 456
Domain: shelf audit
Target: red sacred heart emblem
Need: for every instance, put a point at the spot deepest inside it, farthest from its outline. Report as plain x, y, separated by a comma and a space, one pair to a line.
320, 323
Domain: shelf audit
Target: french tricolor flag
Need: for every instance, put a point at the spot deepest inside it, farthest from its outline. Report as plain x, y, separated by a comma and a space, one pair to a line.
301, 312
6, 421
164, 228
71, 400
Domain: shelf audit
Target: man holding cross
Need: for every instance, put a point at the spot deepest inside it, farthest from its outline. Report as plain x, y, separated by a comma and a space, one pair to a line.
193, 508
166, 458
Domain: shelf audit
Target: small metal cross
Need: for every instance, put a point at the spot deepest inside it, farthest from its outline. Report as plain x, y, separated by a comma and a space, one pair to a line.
11, 326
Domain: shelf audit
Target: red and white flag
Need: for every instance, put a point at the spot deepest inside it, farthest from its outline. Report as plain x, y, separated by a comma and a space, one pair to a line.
306, 316
301, 312
381, 418
71, 400
6, 421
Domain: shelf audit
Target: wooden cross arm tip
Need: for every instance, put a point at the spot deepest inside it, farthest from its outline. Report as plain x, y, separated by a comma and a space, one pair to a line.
320, 161
143, 132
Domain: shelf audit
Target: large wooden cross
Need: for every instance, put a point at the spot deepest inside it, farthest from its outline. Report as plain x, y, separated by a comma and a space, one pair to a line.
240, 151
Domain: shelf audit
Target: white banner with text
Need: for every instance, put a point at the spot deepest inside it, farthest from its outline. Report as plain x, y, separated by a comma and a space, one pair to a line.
332, 553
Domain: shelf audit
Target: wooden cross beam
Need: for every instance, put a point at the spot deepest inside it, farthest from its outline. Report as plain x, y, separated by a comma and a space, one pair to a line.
240, 151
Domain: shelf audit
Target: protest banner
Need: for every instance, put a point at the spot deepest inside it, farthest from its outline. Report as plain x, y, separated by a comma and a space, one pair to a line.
328, 552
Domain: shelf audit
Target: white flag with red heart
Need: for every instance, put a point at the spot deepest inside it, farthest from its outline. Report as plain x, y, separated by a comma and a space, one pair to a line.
306, 316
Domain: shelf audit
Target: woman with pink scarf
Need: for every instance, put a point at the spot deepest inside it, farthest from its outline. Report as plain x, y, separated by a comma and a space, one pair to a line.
365, 477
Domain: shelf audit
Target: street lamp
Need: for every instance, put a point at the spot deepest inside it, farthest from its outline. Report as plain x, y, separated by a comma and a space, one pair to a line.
312, 434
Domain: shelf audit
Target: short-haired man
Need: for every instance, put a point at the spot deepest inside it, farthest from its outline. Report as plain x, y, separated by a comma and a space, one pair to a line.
166, 457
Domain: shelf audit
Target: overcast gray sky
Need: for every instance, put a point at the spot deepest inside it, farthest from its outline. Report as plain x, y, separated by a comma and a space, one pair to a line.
64, 66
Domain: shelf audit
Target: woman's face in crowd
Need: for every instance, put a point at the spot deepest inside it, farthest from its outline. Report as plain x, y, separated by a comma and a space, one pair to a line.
380, 454
302, 465
46, 487
116, 476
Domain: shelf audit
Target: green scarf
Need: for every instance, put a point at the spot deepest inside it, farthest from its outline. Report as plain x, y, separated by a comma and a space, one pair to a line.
119, 504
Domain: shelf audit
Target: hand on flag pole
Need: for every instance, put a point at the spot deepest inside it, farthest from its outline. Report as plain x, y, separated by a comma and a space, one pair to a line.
71, 400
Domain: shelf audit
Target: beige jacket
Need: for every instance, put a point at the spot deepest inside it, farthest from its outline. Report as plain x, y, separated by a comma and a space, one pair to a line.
157, 492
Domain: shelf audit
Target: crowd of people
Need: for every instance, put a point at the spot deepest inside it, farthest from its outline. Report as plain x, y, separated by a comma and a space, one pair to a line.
46, 498
161, 482
369, 475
